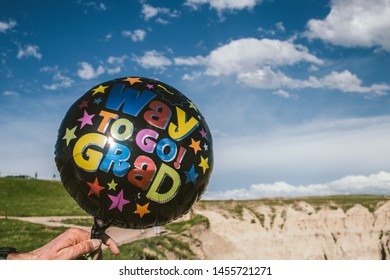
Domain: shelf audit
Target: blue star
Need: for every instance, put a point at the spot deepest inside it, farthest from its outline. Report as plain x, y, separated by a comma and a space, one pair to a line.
191, 175
97, 101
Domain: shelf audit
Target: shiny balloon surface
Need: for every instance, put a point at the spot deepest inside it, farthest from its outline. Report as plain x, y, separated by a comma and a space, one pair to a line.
134, 152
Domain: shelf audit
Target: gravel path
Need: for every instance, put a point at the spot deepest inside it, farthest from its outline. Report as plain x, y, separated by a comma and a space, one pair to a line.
120, 235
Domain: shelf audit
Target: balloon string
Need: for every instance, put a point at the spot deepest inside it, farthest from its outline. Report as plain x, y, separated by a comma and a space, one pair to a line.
97, 232
98, 228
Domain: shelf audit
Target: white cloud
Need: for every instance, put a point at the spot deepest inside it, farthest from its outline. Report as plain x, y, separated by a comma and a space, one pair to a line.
344, 81
221, 5
136, 35
115, 64
150, 12
29, 51
248, 54
59, 78
10, 93
190, 61
282, 93
112, 65
153, 59
253, 60
280, 26
98, 6
352, 23
6, 26
316, 150
266, 78
378, 183
108, 37
87, 72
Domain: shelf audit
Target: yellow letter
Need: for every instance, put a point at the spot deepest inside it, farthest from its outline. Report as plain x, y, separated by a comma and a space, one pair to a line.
93, 158
183, 127
153, 193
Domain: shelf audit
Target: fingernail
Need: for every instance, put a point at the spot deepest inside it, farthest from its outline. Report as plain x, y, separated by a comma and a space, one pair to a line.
96, 243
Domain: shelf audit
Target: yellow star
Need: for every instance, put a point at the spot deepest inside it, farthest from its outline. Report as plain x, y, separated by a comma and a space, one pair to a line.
132, 80
195, 145
112, 185
192, 105
69, 135
204, 163
142, 210
100, 89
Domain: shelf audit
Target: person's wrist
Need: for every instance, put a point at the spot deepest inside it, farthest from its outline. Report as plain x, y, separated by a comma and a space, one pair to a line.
20, 256
5, 252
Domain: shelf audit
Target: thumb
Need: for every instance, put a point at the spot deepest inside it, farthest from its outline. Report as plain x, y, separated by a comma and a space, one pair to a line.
82, 248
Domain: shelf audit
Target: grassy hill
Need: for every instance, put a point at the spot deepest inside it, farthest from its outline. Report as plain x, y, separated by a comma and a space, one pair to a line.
29, 197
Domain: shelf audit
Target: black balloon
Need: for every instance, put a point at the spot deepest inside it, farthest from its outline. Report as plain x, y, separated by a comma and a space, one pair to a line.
134, 152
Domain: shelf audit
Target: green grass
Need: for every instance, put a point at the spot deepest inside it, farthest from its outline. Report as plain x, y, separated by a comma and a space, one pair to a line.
154, 248
87, 222
344, 202
180, 227
26, 236
29, 197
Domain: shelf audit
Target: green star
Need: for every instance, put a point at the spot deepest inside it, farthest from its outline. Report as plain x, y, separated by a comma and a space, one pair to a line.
112, 185
69, 135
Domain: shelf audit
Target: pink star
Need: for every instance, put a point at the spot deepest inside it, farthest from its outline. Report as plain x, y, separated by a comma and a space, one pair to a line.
203, 133
86, 119
149, 86
118, 201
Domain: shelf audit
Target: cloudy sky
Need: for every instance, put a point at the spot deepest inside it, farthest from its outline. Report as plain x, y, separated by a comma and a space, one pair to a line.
296, 93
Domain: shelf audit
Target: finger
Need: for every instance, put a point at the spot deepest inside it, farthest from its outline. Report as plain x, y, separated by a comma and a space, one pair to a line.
80, 249
107, 240
72, 236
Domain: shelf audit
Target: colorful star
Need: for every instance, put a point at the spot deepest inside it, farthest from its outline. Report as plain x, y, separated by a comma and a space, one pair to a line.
203, 133
100, 89
97, 101
118, 201
83, 104
95, 188
69, 135
195, 145
205, 147
86, 119
142, 210
150, 86
204, 163
192, 105
191, 175
112, 185
132, 80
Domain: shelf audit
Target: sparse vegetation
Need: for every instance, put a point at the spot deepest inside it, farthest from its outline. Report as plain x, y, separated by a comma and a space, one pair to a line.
182, 226
155, 248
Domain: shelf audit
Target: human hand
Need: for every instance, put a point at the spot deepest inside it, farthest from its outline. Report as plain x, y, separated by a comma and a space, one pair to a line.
71, 244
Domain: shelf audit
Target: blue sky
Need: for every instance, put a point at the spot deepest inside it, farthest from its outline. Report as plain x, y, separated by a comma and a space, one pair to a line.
296, 93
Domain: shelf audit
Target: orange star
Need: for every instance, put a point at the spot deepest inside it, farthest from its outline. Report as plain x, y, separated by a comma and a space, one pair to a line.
142, 210
132, 80
195, 145
95, 188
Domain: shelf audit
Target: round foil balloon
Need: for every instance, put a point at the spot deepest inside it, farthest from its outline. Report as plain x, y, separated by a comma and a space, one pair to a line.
134, 152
